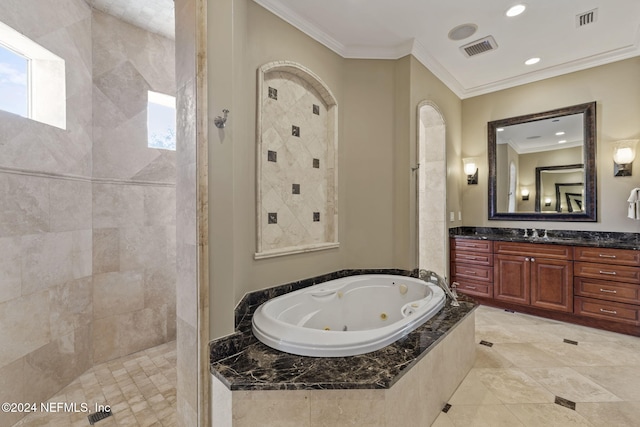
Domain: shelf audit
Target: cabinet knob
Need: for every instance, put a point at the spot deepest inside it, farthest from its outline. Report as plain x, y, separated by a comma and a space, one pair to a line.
533, 260
527, 259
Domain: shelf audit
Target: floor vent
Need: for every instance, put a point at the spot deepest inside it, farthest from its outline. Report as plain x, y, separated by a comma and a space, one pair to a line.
586, 18
98, 416
479, 46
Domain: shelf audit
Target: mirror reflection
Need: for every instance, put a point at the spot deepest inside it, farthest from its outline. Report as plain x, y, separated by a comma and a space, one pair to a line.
542, 166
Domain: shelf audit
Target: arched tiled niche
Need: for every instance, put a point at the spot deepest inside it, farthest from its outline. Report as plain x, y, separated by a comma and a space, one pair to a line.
297, 164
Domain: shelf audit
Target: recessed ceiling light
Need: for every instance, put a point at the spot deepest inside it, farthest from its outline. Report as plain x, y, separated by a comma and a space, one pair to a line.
515, 10
462, 31
562, 141
532, 61
559, 133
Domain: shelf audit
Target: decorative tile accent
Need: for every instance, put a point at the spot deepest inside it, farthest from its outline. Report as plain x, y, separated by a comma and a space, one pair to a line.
273, 93
272, 156
316, 109
272, 217
295, 131
486, 343
570, 341
316, 217
295, 189
565, 402
446, 408
316, 163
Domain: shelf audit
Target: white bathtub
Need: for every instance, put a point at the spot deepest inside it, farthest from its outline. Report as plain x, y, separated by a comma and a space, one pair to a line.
347, 316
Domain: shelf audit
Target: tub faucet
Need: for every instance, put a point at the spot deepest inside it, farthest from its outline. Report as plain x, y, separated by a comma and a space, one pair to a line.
430, 276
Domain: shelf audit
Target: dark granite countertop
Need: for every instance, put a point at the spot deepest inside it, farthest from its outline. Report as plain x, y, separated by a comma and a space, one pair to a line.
600, 239
242, 362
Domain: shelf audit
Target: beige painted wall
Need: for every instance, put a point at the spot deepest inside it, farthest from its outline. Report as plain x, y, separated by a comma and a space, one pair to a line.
615, 88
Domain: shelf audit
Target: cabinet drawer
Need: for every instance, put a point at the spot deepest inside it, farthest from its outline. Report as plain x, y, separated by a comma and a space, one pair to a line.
534, 250
618, 273
607, 255
472, 245
610, 291
599, 309
472, 288
475, 273
477, 258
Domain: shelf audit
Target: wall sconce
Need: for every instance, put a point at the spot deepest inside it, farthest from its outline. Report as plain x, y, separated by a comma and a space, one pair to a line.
525, 193
471, 170
547, 201
624, 152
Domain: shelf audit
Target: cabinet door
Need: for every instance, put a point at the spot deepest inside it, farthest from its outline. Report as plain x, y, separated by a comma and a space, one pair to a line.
551, 284
512, 279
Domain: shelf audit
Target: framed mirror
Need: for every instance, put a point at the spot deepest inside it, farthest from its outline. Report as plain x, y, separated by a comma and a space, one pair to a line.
548, 155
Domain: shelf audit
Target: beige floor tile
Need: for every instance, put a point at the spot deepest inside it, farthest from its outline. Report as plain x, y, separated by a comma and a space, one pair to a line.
619, 414
547, 415
572, 355
473, 392
622, 381
482, 416
514, 386
525, 355
443, 420
488, 357
569, 384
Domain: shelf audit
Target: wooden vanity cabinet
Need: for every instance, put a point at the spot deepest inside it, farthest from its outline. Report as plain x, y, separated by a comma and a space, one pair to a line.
472, 266
607, 284
534, 274
597, 287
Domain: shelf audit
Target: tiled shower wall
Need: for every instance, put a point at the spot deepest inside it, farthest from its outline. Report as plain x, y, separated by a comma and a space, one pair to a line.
74, 265
134, 198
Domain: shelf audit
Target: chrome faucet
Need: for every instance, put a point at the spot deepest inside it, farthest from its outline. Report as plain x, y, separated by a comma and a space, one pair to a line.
430, 276
534, 233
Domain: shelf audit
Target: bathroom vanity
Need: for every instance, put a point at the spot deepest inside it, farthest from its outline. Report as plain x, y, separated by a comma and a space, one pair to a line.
589, 278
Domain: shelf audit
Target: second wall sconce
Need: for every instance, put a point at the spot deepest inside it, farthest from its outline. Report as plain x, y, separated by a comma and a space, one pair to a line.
471, 170
525, 193
624, 152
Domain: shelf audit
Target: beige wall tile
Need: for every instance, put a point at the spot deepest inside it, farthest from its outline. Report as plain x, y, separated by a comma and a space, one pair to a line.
106, 250
25, 205
12, 389
117, 293
24, 326
10, 271
70, 205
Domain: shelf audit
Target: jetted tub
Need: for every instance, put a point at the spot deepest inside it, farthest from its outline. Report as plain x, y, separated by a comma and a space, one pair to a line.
347, 316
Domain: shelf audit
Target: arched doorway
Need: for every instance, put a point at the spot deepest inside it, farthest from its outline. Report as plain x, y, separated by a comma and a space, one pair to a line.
431, 189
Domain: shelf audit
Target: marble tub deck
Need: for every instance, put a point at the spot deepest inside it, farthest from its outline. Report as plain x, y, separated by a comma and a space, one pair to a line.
405, 383
241, 362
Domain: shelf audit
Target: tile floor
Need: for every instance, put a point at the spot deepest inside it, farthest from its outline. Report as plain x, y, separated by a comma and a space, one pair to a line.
139, 388
515, 382
529, 367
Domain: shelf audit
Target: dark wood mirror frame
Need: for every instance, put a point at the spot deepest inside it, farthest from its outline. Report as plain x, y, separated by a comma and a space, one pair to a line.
589, 214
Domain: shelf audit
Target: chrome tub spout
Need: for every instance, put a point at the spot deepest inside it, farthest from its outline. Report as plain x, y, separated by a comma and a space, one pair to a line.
430, 276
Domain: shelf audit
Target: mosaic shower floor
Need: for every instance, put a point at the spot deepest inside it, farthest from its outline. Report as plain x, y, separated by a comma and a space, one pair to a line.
535, 372
140, 390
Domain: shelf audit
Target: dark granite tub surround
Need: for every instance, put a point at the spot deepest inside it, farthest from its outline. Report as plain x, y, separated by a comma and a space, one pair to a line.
242, 362
603, 239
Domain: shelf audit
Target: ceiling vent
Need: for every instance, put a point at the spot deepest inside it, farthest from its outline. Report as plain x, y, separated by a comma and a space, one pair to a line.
586, 18
479, 46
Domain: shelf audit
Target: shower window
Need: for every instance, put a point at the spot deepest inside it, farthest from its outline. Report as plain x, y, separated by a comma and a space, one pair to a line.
32, 79
161, 121
14, 82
